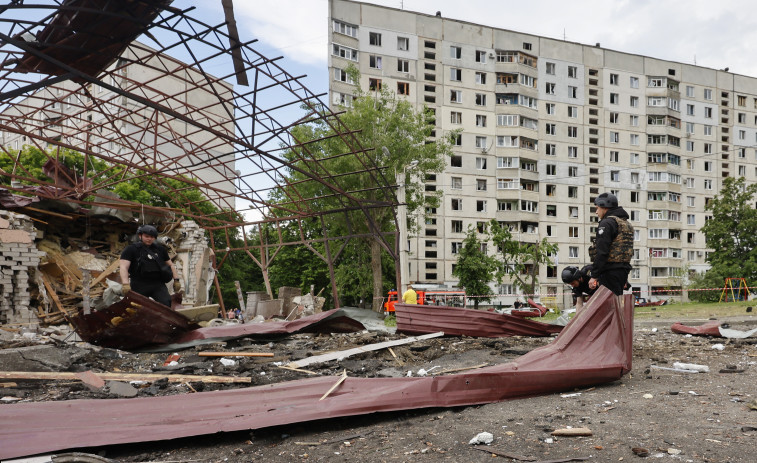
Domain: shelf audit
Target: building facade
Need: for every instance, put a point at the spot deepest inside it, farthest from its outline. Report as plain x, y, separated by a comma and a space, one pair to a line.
547, 125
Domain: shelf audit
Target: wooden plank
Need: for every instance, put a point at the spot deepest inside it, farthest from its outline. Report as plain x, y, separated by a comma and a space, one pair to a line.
359, 350
341, 380
123, 377
111, 268
236, 354
53, 294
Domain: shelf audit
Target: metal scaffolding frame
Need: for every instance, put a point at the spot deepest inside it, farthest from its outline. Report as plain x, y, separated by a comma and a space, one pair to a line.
159, 95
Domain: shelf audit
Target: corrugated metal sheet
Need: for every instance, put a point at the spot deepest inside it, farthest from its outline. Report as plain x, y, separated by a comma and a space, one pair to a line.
594, 348
456, 321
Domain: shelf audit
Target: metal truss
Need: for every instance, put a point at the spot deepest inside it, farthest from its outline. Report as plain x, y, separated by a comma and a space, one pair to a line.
159, 95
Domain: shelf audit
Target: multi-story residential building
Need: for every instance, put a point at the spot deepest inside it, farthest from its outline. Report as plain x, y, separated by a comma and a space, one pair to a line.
547, 126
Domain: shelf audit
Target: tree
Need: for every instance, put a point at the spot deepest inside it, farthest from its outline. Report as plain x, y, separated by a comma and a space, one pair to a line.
394, 135
474, 268
520, 261
731, 232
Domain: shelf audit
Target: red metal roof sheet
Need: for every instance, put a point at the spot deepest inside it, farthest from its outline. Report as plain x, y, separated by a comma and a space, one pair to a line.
595, 347
456, 321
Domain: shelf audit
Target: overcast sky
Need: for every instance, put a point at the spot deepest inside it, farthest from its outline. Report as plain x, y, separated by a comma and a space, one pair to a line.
715, 34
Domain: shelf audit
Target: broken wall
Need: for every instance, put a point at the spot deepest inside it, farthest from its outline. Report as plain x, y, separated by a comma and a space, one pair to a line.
193, 262
19, 257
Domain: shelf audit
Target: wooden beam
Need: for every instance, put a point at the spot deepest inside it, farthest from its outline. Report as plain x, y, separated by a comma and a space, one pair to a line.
123, 377
360, 350
111, 268
236, 354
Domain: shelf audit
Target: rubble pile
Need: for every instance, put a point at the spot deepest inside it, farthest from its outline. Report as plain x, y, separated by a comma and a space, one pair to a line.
18, 259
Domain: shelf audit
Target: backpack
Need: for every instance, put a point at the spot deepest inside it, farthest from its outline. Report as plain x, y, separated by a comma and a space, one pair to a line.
149, 265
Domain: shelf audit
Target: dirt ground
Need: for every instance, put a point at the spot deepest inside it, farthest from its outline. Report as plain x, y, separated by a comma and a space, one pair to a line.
650, 413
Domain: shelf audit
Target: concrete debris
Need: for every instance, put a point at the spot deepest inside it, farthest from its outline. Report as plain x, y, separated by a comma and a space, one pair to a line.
482, 438
691, 366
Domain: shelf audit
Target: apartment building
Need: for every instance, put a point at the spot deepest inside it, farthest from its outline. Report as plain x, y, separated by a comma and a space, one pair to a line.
547, 126
93, 118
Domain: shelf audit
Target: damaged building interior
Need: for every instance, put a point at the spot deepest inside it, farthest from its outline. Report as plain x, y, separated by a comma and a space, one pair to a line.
115, 114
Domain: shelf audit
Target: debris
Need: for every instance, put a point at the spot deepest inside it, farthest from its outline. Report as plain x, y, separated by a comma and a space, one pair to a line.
482, 438
572, 432
341, 380
677, 370
672, 451
567, 396
718, 347
227, 362
640, 451
452, 370
235, 354
501, 453
284, 367
647, 396
748, 428
691, 366
752, 405
731, 370
122, 389
123, 377
360, 350
94, 381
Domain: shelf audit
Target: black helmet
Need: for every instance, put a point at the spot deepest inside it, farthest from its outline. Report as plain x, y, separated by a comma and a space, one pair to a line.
570, 274
148, 230
607, 200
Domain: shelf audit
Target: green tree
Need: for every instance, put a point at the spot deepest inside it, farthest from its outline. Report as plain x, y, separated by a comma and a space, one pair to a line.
474, 269
731, 232
701, 284
396, 137
517, 260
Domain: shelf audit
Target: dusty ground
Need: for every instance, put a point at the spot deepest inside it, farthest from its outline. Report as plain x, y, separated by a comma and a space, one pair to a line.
702, 417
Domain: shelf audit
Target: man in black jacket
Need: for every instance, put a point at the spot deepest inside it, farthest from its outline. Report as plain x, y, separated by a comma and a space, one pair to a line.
613, 247
578, 279
141, 270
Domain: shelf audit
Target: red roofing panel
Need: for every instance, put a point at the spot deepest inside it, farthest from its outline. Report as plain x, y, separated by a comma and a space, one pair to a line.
711, 328
456, 321
595, 347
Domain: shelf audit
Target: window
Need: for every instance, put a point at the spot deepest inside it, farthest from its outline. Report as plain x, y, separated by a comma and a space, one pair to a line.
455, 96
689, 109
614, 79
456, 161
481, 142
457, 183
455, 52
457, 246
480, 120
573, 171
708, 148
457, 226
551, 210
741, 100
690, 219
344, 52
550, 88
551, 129
573, 252
403, 43
655, 82
344, 28
690, 201
341, 75
459, 140
455, 74
507, 120
403, 88
572, 111
375, 62
403, 65
614, 137
614, 156
506, 162
573, 212
550, 107
708, 94
614, 175
708, 130
634, 158
550, 69
480, 56
480, 99
457, 204
708, 113
526, 46
572, 132
572, 151
707, 184
456, 117
551, 169
481, 163
572, 91
573, 232
480, 185
481, 205
481, 78
634, 83
614, 98
374, 84
635, 139
634, 102
572, 192
634, 120
689, 91
550, 149
374, 38
614, 118
572, 72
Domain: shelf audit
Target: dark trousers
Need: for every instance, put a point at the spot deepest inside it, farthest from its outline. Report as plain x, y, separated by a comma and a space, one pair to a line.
614, 280
152, 288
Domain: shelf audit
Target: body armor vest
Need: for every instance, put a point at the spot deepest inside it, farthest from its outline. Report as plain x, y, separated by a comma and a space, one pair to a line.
621, 249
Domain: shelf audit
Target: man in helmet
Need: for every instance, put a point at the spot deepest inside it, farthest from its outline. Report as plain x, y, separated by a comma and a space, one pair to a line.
613, 246
144, 267
579, 280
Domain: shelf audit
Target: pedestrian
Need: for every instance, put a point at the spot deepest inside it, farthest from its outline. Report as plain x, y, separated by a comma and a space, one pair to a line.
145, 267
613, 246
410, 296
578, 279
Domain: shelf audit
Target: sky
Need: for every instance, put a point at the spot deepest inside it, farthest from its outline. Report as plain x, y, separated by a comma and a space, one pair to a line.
714, 34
